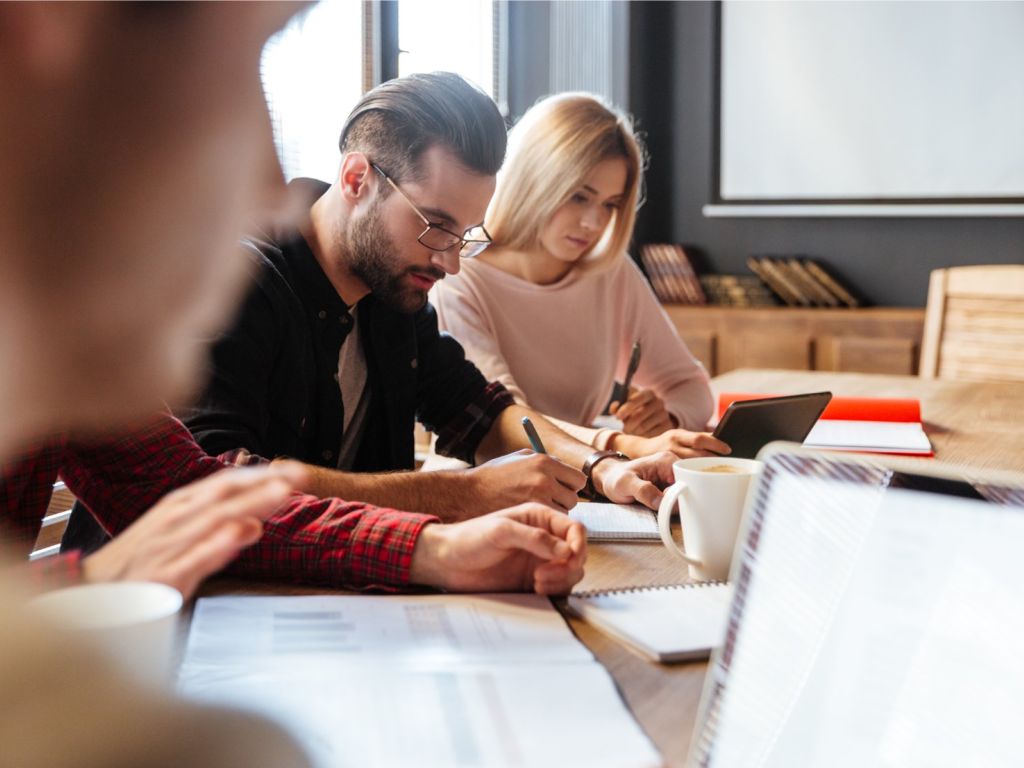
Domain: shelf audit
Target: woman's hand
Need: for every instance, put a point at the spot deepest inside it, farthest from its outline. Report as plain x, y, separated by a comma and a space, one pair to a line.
643, 413
684, 444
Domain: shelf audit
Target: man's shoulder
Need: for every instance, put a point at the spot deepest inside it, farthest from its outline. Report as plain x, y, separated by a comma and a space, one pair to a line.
270, 286
268, 251
275, 248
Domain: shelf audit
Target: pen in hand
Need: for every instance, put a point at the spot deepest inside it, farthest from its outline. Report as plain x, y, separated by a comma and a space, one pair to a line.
634, 363
531, 434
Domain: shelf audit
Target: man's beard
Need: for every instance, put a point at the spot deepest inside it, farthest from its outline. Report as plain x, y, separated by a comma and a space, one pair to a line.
374, 259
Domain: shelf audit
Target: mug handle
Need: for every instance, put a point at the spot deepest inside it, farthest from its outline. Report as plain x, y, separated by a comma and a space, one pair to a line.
668, 503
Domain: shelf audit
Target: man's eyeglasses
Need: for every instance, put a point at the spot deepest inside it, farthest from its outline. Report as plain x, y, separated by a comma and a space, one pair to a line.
471, 243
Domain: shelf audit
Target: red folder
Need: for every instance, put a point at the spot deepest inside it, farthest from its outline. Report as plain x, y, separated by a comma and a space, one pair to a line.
873, 424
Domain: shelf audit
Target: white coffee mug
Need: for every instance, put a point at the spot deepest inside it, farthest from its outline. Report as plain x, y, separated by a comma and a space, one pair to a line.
134, 622
711, 493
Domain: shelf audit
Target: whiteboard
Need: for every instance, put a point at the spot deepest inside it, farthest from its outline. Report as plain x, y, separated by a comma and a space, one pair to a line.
871, 101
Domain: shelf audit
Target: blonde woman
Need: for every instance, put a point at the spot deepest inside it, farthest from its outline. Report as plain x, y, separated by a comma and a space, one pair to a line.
553, 307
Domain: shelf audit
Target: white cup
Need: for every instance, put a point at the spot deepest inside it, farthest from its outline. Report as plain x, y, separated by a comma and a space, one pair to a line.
134, 622
710, 507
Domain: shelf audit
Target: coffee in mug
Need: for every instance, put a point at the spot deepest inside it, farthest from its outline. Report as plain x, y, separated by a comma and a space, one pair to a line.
710, 494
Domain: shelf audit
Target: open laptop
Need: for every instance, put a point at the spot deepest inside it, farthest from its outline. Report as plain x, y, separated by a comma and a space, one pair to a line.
878, 619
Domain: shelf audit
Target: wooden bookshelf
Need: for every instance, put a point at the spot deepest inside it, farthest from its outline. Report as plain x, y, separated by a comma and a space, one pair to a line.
869, 340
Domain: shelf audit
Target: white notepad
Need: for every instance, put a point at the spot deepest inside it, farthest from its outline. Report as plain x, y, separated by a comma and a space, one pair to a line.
674, 623
616, 522
874, 436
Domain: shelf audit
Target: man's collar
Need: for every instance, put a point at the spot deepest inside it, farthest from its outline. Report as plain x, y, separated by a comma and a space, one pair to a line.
315, 289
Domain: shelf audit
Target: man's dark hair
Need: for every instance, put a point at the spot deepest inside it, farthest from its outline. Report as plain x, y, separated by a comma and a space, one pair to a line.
396, 122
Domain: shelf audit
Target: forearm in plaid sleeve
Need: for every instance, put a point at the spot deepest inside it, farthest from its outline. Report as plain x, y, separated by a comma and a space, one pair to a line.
460, 437
121, 479
336, 543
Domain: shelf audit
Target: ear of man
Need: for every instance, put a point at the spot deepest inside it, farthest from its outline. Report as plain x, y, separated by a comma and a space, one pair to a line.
357, 180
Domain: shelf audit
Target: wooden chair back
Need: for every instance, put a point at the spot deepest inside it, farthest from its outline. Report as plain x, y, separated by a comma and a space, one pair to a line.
974, 324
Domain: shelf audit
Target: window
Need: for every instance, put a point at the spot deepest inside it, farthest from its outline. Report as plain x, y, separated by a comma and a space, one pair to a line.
313, 75
460, 36
317, 68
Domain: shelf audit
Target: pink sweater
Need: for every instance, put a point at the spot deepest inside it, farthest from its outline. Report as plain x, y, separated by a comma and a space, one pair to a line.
560, 347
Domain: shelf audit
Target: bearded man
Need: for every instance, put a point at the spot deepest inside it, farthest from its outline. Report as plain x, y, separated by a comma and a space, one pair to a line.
336, 352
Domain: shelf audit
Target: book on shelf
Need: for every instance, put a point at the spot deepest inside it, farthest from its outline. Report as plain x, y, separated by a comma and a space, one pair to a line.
765, 268
737, 291
664, 286
830, 283
801, 282
818, 294
672, 275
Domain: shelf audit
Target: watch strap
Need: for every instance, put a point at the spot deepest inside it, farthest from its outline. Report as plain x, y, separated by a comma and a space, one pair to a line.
592, 461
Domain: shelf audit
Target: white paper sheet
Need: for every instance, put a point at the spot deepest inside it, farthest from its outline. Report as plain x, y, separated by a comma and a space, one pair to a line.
439, 680
426, 629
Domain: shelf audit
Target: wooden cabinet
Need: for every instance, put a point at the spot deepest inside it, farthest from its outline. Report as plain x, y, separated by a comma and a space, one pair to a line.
872, 340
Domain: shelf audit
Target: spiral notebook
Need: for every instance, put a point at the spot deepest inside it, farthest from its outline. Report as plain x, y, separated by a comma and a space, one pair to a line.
616, 522
670, 623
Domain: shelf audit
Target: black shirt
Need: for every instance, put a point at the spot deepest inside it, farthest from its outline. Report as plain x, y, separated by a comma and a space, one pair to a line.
273, 386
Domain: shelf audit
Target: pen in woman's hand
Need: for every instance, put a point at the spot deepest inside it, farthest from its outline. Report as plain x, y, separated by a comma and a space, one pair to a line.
634, 363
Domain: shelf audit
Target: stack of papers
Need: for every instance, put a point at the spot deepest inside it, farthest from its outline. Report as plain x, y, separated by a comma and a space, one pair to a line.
436, 680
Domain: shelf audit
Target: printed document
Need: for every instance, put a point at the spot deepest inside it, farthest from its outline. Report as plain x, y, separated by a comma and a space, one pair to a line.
433, 680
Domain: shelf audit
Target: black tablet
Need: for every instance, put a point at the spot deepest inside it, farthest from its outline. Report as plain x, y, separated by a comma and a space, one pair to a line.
749, 425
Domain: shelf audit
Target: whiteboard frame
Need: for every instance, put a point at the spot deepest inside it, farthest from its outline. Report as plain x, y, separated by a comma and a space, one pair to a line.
946, 207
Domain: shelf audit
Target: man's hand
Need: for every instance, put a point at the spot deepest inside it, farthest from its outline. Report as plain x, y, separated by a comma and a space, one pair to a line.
684, 444
642, 480
643, 413
520, 477
526, 548
196, 530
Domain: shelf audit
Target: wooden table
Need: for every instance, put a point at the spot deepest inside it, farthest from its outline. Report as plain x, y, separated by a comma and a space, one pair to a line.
978, 425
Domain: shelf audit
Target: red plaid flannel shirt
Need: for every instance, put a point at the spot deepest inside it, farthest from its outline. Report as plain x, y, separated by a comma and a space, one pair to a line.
310, 540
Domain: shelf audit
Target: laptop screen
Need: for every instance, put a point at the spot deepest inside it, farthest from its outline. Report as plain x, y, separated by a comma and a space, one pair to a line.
877, 620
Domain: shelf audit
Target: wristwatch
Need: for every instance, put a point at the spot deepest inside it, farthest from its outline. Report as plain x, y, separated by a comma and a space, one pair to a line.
592, 461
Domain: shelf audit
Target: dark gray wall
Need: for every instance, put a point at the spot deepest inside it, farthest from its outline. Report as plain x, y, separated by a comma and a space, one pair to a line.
672, 90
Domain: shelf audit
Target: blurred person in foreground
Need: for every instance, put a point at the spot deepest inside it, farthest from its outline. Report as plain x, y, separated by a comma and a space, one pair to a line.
130, 135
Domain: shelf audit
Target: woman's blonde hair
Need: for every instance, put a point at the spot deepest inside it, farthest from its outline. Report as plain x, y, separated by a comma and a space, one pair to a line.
551, 151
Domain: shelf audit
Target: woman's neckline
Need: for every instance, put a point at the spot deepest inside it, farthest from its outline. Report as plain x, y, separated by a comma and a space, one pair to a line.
514, 264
